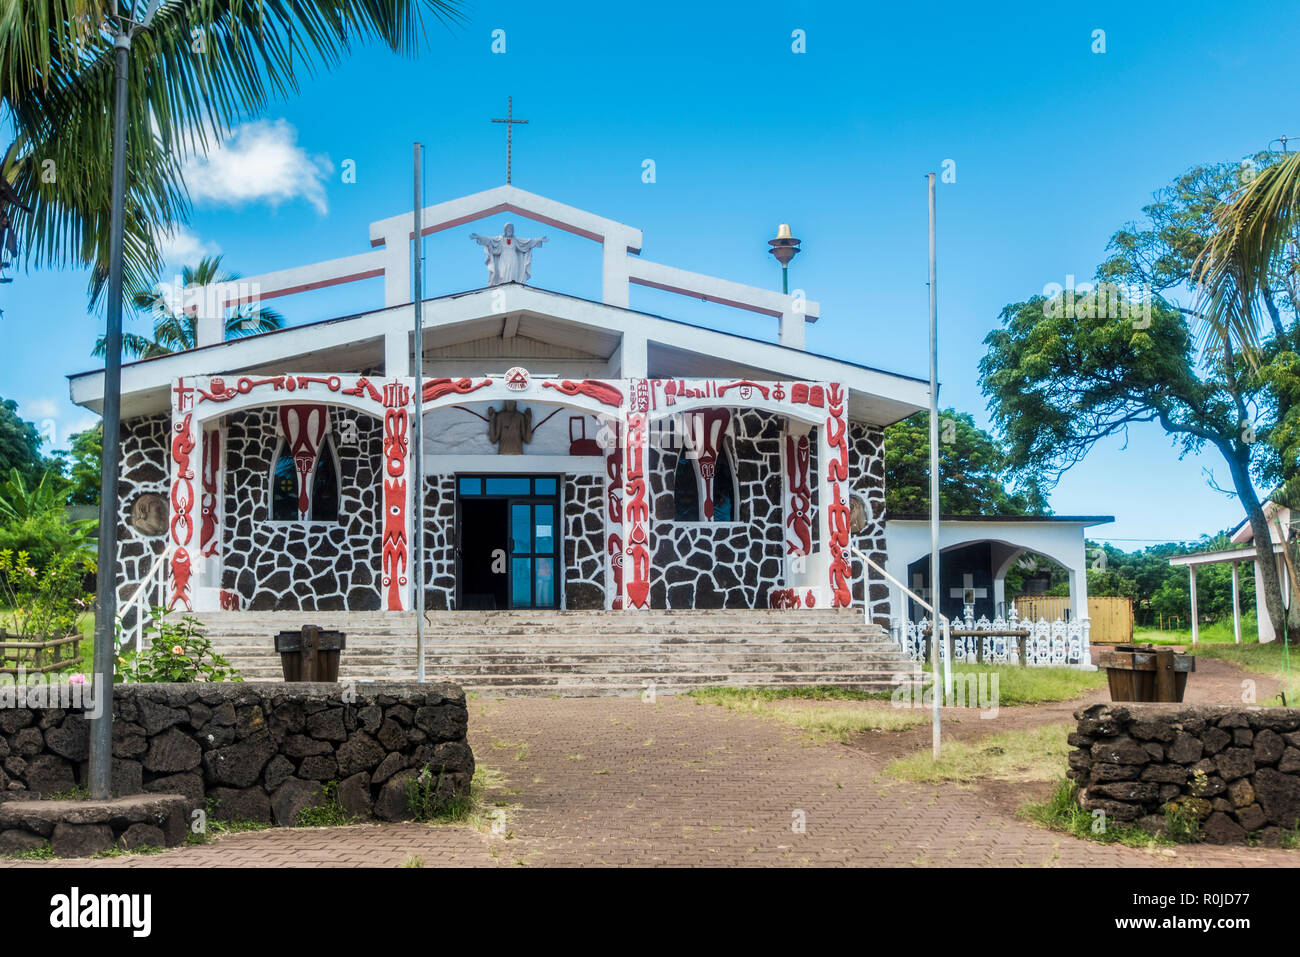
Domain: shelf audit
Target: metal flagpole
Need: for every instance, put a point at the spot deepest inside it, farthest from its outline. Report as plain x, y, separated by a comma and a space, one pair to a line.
934, 478
417, 347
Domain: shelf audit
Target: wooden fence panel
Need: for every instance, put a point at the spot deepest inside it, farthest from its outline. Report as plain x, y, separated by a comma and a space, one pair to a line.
1111, 618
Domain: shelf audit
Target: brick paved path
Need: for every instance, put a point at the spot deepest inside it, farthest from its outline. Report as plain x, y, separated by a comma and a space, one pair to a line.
618, 781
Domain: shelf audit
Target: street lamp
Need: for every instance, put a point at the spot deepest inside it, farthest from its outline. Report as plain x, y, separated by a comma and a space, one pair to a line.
784, 248
101, 729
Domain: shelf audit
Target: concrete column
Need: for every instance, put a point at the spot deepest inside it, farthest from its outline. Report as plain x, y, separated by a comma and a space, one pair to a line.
1236, 605
1196, 625
397, 353
792, 329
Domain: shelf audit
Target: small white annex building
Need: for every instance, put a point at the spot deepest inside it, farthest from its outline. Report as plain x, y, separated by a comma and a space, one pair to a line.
976, 552
1281, 530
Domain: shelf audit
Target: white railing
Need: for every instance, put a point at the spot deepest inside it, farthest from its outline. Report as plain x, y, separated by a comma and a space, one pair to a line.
151, 594
945, 659
1059, 643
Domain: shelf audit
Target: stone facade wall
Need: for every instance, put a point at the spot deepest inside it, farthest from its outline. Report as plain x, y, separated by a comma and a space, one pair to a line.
867, 477
1235, 770
144, 469
714, 565
439, 542
584, 541
257, 752
301, 565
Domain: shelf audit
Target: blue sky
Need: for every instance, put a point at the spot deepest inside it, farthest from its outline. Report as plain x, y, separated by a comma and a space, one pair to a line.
1055, 147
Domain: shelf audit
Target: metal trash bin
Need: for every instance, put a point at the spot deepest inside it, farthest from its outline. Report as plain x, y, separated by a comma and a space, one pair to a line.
311, 654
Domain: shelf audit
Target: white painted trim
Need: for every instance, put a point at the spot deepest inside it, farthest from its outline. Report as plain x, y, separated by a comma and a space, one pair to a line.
441, 464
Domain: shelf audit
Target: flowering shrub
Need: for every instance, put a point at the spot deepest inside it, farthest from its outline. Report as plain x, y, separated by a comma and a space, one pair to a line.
178, 651
48, 603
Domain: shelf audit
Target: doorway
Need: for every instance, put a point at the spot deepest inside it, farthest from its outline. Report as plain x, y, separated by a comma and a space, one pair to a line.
507, 541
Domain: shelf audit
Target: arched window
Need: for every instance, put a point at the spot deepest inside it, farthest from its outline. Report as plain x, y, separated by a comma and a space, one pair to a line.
724, 489
686, 491
325, 487
323, 500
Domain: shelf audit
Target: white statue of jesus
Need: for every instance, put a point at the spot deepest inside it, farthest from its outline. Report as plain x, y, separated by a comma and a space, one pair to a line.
509, 258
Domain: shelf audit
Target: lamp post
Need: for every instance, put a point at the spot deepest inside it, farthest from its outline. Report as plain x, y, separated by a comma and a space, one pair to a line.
784, 248
101, 728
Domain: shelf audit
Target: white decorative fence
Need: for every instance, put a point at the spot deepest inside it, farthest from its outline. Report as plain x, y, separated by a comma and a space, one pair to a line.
1061, 643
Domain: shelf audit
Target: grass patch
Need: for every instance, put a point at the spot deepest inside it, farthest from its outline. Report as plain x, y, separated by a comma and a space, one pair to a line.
328, 814
826, 722
716, 694
75, 793
1031, 685
143, 849
42, 853
1034, 755
1061, 812
429, 805
1215, 633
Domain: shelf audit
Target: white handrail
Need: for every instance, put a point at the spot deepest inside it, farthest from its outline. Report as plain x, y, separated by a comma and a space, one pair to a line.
937, 617
142, 601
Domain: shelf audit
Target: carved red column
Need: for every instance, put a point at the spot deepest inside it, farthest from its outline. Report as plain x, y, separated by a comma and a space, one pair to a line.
396, 525
612, 438
835, 519
636, 500
185, 455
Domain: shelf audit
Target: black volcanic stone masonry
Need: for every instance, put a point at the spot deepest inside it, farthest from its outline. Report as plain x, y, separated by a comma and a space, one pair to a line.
259, 752
1234, 770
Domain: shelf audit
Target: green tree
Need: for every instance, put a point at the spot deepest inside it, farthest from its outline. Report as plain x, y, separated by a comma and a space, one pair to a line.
81, 464
33, 520
1061, 382
176, 329
20, 443
200, 68
972, 469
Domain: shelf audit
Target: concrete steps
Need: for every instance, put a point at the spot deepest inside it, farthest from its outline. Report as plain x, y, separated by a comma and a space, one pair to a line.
585, 653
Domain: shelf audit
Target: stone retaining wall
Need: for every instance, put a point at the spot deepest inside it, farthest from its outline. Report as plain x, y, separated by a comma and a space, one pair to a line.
258, 752
1235, 770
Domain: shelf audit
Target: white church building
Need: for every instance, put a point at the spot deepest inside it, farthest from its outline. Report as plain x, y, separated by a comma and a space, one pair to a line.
577, 454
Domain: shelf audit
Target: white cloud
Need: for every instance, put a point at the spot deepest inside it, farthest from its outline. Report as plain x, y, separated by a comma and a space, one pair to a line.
38, 409
260, 161
181, 246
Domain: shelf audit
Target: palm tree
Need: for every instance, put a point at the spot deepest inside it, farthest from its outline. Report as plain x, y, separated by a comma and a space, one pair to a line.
1253, 248
175, 328
200, 68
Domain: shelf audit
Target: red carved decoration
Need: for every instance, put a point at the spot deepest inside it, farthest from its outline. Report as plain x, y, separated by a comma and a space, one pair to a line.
837, 471
614, 518
209, 540
304, 428
801, 393
602, 392
230, 600
798, 456
394, 555
218, 391
437, 388
712, 424
744, 385
636, 570
784, 598
181, 525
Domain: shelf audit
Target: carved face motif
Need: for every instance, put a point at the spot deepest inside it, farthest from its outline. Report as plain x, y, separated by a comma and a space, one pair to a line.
149, 514
857, 514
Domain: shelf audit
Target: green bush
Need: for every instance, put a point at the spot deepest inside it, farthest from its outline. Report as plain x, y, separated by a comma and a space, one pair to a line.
178, 651
44, 603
